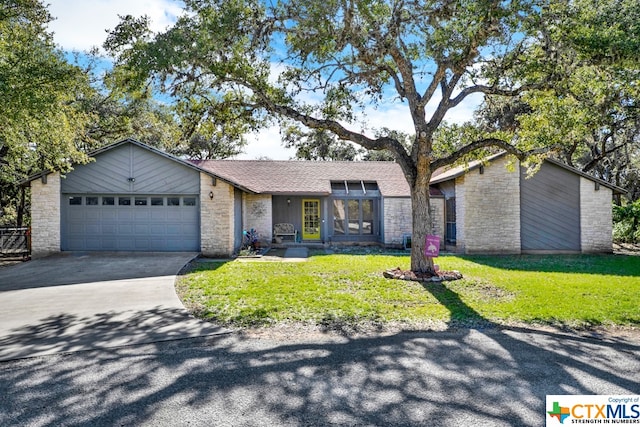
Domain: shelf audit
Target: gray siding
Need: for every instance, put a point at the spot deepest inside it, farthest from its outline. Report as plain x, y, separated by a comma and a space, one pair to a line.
550, 210
290, 213
153, 174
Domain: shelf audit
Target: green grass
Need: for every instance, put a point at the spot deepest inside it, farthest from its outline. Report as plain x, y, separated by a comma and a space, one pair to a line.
576, 291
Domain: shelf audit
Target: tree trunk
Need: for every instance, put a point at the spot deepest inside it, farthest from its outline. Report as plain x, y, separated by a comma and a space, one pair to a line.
422, 222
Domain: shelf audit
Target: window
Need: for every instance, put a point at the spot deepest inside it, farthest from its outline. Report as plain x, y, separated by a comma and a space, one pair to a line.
91, 201
338, 217
157, 201
450, 209
140, 201
189, 201
75, 200
108, 201
173, 201
367, 216
124, 201
353, 217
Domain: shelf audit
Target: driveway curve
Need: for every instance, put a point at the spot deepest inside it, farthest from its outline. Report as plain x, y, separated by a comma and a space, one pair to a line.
83, 301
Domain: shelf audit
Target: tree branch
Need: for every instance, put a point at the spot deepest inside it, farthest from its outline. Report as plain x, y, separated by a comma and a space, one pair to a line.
491, 90
484, 143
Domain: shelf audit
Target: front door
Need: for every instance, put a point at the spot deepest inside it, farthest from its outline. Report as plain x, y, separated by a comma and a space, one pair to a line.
310, 219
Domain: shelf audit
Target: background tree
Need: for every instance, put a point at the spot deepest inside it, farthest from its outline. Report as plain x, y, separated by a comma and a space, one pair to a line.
317, 63
318, 144
39, 122
591, 115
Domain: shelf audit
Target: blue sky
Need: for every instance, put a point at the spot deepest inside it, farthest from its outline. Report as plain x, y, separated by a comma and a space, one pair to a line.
82, 24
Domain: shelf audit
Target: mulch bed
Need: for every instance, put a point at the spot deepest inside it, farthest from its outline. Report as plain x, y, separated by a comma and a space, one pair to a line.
439, 276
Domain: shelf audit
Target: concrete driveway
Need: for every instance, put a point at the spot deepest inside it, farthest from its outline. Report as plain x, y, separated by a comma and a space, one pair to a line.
82, 301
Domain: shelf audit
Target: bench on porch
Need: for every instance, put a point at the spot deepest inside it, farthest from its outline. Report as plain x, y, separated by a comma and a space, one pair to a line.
285, 229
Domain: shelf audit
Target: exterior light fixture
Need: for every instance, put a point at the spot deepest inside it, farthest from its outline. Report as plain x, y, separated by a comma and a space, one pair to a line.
288, 201
211, 195
131, 179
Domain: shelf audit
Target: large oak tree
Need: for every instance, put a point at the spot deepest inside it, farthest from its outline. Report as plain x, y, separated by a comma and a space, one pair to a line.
318, 64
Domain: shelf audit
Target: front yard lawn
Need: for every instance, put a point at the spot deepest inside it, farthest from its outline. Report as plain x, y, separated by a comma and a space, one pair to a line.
567, 290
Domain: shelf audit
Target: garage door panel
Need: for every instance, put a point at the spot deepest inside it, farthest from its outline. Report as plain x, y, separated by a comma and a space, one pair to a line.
109, 228
93, 244
174, 214
109, 214
124, 213
75, 215
125, 228
109, 244
158, 214
174, 230
157, 229
141, 229
142, 244
92, 229
141, 215
130, 227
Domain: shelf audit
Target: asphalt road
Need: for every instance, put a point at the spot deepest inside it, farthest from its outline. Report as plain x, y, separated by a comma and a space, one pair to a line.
451, 378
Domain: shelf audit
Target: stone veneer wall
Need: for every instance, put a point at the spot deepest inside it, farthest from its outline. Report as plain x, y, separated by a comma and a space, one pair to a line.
397, 220
437, 216
258, 214
216, 218
490, 209
45, 216
596, 223
460, 213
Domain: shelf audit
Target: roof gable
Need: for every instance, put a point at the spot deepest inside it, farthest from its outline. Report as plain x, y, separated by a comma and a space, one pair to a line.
149, 148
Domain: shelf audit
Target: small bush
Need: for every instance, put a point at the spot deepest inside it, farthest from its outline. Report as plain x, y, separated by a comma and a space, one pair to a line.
626, 223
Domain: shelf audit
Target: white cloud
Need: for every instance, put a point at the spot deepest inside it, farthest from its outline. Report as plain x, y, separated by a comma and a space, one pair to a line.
82, 24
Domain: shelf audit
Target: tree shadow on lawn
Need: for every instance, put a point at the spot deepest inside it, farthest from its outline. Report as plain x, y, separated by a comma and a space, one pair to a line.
600, 264
461, 376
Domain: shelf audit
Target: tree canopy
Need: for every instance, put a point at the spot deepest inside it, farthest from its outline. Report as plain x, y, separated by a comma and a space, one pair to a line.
318, 64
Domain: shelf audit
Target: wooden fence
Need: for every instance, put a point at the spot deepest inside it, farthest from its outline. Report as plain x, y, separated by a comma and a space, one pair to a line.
14, 242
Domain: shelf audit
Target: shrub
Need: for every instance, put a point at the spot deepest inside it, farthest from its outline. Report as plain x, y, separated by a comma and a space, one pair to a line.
626, 223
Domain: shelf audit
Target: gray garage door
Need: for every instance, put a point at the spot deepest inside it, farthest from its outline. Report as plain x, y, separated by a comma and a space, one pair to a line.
130, 223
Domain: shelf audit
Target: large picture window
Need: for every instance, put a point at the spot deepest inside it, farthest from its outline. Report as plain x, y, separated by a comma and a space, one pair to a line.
353, 217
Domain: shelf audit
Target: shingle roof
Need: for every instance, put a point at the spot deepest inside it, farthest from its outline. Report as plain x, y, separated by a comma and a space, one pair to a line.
305, 177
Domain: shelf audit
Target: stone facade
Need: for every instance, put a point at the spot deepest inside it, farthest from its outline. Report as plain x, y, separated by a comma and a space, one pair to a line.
216, 217
397, 220
488, 209
257, 213
438, 218
596, 223
45, 216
